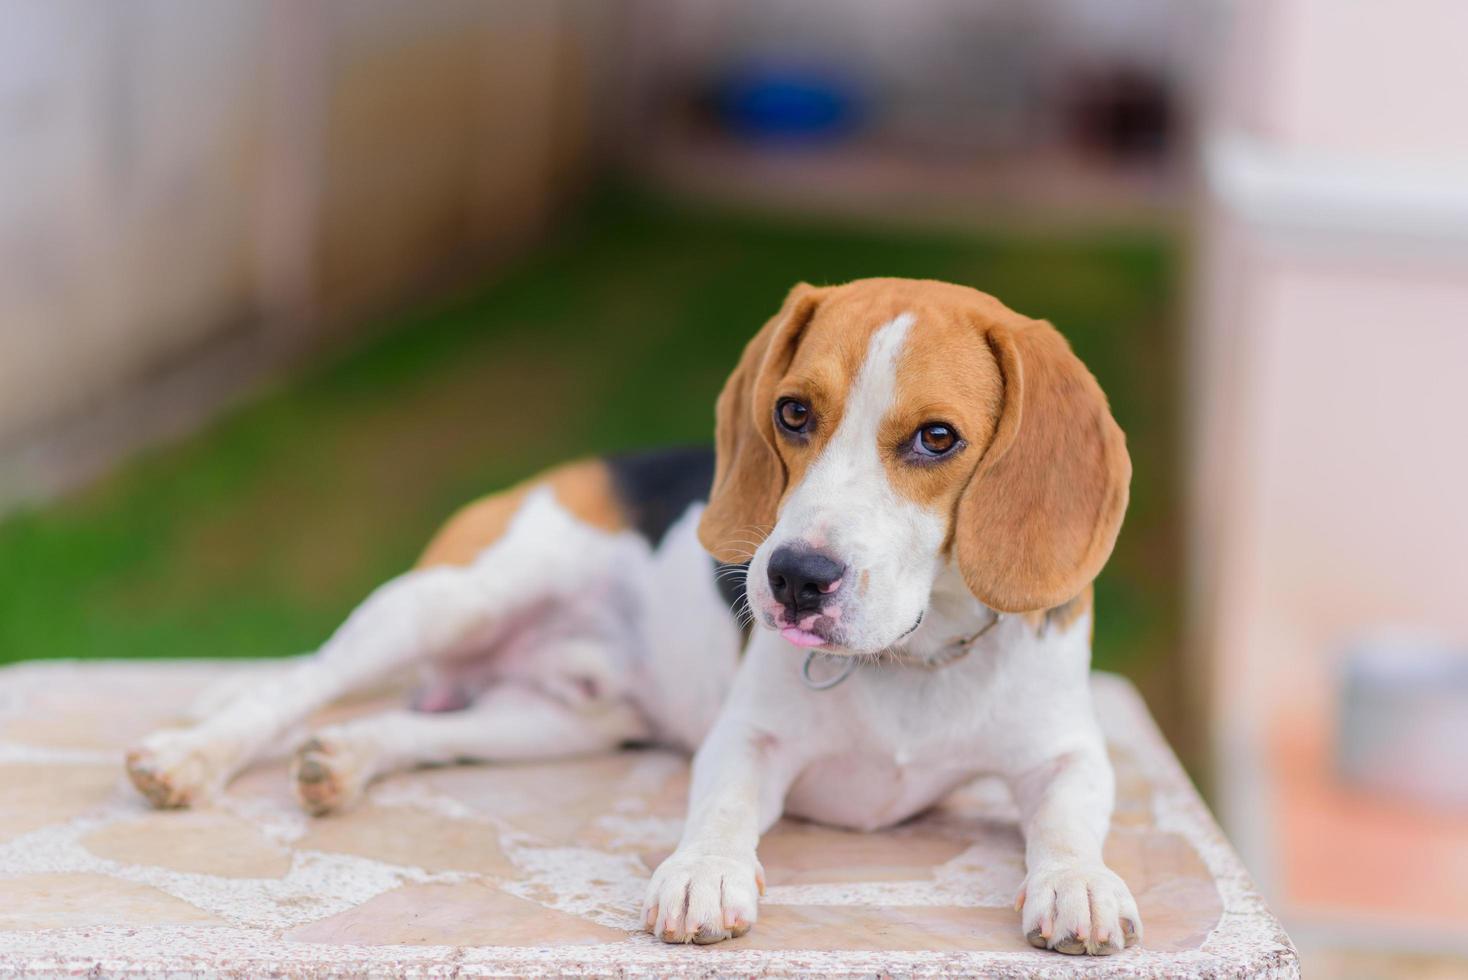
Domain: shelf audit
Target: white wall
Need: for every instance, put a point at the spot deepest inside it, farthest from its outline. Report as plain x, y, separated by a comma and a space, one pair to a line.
191, 191
131, 155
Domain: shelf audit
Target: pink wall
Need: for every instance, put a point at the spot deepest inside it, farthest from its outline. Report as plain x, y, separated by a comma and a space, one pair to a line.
1330, 438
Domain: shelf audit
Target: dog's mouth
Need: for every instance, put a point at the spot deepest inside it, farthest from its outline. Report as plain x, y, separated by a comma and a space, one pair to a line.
809, 631
802, 637
819, 632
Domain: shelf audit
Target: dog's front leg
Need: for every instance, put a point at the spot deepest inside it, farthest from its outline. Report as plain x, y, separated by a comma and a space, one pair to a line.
708, 889
1071, 901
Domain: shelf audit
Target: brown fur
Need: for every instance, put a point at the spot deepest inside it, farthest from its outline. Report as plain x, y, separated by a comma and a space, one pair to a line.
1035, 500
1040, 515
584, 488
749, 476
1062, 616
822, 342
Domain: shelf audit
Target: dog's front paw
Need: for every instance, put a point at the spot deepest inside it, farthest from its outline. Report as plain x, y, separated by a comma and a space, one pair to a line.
173, 768
703, 898
1079, 908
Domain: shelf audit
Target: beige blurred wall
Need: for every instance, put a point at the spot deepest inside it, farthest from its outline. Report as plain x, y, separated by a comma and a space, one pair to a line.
131, 156
1329, 344
191, 193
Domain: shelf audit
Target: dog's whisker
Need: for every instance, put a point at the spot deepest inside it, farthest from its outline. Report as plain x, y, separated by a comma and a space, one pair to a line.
762, 531
738, 538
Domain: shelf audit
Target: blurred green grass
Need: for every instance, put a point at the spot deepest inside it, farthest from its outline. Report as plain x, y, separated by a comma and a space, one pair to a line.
256, 536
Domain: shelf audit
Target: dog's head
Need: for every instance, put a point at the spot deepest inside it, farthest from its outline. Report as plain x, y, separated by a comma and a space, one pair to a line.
875, 432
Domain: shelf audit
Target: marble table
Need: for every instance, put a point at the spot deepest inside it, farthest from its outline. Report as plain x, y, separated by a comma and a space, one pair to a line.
539, 869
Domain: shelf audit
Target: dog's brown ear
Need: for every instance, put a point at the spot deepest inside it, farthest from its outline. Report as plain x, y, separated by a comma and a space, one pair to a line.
749, 478
1042, 510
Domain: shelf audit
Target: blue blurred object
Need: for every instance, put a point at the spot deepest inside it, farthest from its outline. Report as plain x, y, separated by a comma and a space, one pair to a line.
787, 102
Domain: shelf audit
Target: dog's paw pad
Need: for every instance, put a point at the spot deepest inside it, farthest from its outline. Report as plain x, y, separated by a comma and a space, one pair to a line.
327, 775
146, 774
170, 772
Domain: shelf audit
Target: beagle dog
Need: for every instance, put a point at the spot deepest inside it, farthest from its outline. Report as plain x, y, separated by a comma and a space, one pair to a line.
912, 490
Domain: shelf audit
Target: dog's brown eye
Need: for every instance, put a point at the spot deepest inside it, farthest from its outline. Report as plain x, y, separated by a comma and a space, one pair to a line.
794, 416
935, 439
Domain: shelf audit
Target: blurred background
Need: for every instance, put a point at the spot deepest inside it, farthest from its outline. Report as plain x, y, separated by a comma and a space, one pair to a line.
282, 283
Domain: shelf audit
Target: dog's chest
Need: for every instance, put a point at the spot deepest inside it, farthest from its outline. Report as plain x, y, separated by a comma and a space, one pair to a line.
865, 791
892, 753
901, 739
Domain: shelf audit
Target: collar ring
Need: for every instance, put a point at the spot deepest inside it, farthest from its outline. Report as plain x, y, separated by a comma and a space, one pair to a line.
830, 682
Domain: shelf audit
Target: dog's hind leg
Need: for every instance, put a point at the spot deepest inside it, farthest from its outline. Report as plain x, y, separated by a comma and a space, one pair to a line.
509, 722
409, 618
218, 694
424, 615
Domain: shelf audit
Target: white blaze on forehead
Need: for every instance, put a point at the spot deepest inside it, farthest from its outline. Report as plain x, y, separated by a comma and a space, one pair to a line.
876, 383
848, 484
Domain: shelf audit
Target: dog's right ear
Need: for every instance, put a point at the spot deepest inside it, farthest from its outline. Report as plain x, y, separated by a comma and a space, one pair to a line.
749, 477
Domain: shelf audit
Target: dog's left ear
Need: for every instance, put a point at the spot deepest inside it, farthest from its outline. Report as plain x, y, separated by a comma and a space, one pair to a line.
1042, 510
749, 477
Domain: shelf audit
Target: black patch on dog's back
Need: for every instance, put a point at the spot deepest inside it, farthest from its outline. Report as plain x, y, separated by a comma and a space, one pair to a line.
656, 488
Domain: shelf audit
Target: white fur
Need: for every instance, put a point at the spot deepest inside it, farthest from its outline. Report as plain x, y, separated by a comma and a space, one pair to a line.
594, 626
573, 639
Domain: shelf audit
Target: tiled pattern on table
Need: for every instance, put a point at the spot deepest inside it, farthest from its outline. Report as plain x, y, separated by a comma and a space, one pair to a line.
540, 868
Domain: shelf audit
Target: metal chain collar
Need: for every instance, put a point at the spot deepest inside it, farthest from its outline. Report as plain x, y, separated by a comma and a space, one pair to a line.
955, 652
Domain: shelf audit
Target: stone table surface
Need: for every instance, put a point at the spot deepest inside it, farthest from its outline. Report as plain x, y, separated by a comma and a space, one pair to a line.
539, 869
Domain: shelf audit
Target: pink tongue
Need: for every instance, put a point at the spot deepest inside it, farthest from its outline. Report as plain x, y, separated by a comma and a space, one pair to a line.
800, 637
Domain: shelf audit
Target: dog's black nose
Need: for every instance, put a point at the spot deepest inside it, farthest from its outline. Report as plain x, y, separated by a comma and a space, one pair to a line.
800, 578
